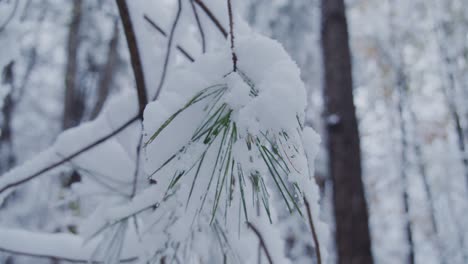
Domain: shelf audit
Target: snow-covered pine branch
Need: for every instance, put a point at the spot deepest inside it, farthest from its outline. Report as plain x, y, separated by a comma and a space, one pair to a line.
224, 151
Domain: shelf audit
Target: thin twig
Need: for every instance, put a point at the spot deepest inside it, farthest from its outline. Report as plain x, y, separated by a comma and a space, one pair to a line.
137, 165
72, 260
134, 53
162, 32
168, 53
10, 17
200, 27
72, 156
155, 26
314, 233
139, 78
231, 28
212, 17
262, 241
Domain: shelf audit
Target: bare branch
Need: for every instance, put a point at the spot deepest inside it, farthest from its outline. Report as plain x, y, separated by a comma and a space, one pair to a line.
127, 260
168, 52
134, 53
72, 156
212, 17
10, 17
154, 25
139, 77
200, 27
231, 28
262, 241
162, 32
137, 165
314, 233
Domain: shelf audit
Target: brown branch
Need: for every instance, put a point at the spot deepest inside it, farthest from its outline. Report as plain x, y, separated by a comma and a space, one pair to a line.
134, 53
139, 78
168, 52
314, 233
231, 28
212, 17
162, 32
200, 27
74, 155
262, 241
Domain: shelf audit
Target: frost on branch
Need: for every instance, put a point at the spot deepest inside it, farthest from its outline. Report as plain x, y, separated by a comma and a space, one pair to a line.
226, 148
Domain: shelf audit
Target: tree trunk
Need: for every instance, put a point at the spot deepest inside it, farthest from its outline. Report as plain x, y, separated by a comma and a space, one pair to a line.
7, 156
74, 101
352, 229
107, 72
421, 164
74, 104
402, 88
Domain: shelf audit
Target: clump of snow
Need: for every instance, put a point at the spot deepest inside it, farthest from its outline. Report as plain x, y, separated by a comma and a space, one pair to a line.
227, 148
64, 246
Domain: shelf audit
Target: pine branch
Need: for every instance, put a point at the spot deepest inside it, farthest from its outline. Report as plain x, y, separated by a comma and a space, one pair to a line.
140, 88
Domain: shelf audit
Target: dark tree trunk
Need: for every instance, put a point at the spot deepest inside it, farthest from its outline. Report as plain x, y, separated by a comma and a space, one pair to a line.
107, 73
74, 104
74, 101
7, 156
352, 229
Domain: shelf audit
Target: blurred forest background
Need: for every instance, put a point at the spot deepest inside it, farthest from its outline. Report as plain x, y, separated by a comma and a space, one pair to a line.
397, 191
